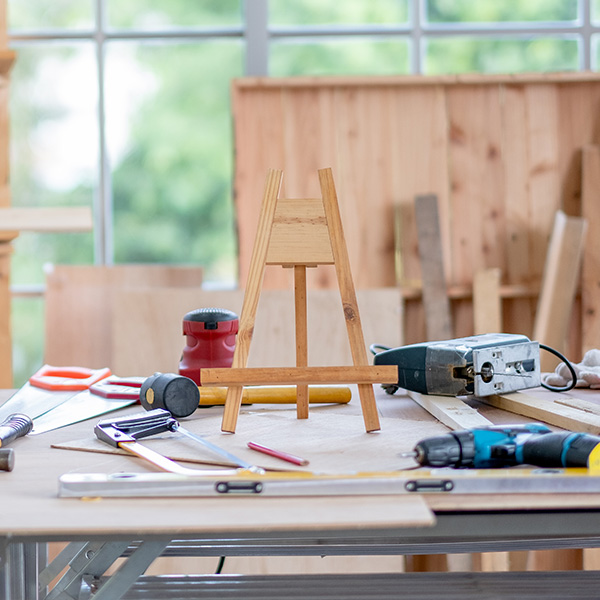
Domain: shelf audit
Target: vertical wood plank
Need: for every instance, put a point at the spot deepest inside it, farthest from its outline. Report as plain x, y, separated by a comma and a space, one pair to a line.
590, 286
578, 126
518, 312
543, 177
476, 181
365, 194
559, 285
435, 297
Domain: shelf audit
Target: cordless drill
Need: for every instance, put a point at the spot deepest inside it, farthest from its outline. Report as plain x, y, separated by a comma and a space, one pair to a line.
505, 446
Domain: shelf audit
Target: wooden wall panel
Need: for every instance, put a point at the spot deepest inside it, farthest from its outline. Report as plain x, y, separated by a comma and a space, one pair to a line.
502, 153
476, 180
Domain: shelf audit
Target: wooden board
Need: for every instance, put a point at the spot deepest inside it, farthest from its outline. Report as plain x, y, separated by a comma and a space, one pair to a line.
333, 440
548, 410
435, 295
590, 280
273, 340
557, 296
502, 154
73, 218
80, 304
452, 412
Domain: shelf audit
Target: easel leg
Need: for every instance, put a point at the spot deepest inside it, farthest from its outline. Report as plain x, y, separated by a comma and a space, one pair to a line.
348, 295
301, 337
233, 400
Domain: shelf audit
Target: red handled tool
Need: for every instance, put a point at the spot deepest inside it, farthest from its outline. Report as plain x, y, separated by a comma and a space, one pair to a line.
210, 340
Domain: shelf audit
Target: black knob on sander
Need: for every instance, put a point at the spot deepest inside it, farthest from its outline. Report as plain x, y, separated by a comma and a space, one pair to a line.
175, 393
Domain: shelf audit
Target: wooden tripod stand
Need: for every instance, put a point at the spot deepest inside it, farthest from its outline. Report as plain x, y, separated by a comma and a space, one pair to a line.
299, 234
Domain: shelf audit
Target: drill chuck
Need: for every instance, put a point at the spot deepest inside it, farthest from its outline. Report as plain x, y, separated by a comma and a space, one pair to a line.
456, 449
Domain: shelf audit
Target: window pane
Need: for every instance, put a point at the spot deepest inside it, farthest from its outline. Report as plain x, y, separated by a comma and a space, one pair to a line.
169, 134
54, 148
595, 51
489, 11
460, 55
349, 12
595, 9
159, 14
50, 14
358, 56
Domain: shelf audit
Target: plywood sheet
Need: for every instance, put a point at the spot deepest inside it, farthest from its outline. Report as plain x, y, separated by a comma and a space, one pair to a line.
333, 440
141, 349
502, 153
80, 302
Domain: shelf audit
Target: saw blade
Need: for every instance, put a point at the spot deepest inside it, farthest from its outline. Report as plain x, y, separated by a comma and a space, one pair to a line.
81, 407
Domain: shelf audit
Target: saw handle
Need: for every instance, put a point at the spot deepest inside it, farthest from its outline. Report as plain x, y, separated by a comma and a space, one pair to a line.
13, 427
67, 378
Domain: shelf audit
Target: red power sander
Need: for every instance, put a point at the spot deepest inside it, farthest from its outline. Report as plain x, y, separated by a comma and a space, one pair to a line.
210, 340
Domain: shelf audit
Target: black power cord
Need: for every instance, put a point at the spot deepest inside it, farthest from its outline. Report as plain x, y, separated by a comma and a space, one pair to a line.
573, 381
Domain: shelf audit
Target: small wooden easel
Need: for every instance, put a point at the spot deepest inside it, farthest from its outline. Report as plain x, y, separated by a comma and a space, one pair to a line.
300, 233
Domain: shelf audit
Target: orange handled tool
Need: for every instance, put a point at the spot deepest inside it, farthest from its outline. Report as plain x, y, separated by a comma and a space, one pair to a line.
67, 378
48, 388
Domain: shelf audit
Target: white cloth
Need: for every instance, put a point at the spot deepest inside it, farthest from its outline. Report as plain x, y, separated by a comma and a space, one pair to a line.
588, 372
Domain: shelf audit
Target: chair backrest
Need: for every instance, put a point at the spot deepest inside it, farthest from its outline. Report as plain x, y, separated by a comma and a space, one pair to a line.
81, 302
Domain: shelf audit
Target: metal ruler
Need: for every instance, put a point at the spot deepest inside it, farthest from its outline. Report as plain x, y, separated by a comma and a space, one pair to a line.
435, 481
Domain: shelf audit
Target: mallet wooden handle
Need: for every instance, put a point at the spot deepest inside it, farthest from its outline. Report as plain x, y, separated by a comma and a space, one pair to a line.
294, 375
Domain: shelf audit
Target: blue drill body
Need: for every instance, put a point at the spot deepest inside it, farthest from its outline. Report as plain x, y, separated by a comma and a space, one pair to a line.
505, 446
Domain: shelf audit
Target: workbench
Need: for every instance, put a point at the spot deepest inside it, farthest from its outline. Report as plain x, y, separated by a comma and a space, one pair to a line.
129, 534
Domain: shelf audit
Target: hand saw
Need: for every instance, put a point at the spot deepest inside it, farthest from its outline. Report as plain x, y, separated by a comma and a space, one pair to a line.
102, 397
48, 388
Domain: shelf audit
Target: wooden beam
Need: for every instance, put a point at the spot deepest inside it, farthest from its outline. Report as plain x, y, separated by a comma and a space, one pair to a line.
590, 272
72, 218
547, 410
559, 285
451, 411
295, 375
435, 298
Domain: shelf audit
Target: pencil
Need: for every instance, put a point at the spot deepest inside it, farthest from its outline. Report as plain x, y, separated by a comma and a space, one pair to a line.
296, 460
